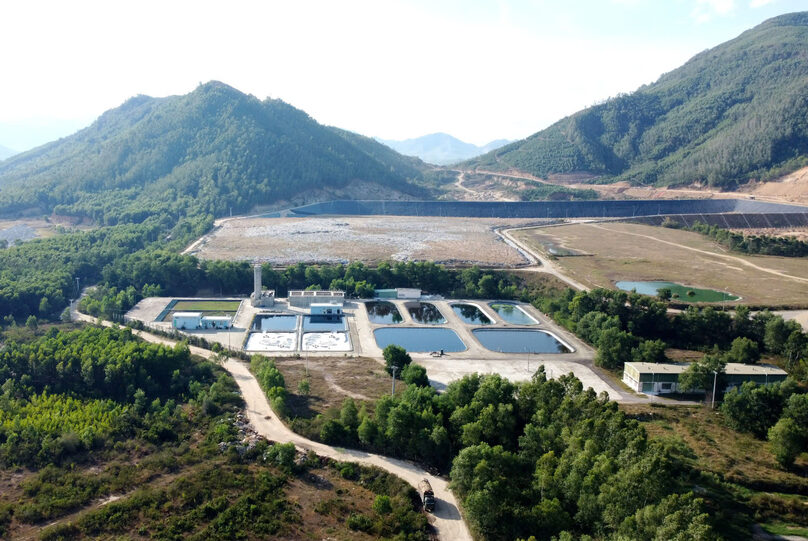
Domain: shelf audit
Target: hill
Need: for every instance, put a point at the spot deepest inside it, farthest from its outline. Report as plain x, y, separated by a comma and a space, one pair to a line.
730, 114
6, 152
196, 154
441, 148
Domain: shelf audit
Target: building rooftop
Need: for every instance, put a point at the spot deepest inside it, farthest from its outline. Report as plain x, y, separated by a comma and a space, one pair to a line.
731, 368
187, 314
217, 318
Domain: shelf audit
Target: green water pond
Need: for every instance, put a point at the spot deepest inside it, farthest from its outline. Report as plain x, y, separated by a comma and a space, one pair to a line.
680, 292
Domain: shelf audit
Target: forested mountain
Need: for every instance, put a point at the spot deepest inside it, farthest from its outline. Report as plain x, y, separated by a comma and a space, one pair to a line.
6, 152
440, 148
731, 113
196, 154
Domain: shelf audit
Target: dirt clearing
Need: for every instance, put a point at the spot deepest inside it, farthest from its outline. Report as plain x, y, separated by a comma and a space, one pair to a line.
370, 239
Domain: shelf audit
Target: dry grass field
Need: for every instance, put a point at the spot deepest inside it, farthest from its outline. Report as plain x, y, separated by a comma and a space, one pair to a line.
610, 252
370, 239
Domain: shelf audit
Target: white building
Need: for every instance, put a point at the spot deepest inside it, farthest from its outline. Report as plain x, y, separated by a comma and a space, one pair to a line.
192, 321
186, 320
326, 309
305, 298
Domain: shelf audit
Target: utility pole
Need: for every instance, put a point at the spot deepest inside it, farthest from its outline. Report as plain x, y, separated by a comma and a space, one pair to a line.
393, 393
715, 378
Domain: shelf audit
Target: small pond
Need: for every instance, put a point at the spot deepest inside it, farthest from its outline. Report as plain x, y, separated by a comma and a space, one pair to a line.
383, 313
471, 314
419, 339
519, 341
324, 323
272, 322
425, 313
679, 292
512, 313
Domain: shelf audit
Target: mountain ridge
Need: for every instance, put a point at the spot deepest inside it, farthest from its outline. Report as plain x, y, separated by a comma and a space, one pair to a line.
730, 114
195, 154
440, 148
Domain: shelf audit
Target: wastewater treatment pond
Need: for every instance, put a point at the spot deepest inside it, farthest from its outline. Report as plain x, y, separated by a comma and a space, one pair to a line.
470, 314
519, 341
383, 313
419, 339
263, 322
512, 313
679, 292
425, 313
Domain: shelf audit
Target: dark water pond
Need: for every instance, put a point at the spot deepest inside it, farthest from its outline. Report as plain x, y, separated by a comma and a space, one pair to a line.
426, 313
323, 323
512, 313
419, 339
383, 313
471, 314
519, 341
274, 323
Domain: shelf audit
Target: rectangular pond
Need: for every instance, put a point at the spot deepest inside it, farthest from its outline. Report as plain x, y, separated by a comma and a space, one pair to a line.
274, 322
271, 341
383, 313
519, 341
678, 291
419, 339
425, 313
512, 313
326, 341
324, 323
471, 314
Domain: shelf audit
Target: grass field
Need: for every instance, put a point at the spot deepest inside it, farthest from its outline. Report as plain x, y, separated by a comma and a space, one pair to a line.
611, 252
206, 305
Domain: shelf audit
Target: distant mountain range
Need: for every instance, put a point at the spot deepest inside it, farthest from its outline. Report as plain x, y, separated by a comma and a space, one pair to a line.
197, 154
441, 148
6, 152
730, 114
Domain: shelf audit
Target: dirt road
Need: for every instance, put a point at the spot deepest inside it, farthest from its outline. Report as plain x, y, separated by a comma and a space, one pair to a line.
446, 518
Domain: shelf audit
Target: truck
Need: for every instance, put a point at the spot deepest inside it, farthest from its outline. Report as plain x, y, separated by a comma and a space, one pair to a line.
427, 496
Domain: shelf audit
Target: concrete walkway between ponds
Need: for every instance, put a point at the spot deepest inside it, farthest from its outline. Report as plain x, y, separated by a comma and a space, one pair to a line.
446, 518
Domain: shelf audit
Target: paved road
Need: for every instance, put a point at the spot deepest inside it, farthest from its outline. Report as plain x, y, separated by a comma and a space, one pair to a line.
446, 518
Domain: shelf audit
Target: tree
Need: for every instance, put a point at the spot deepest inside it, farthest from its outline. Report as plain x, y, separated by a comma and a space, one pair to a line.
664, 293
743, 350
614, 348
396, 356
304, 387
787, 441
31, 322
415, 374
701, 375
349, 416
650, 351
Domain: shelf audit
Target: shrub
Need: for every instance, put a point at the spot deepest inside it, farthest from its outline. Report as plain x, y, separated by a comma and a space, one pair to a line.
359, 522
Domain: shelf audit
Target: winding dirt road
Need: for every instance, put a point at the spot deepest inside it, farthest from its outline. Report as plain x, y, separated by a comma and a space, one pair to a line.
446, 519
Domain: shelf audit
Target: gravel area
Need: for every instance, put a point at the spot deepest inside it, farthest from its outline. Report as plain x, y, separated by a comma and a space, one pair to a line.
371, 239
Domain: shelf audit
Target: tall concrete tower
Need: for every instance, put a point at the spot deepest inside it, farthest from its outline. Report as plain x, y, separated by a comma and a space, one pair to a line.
256, 281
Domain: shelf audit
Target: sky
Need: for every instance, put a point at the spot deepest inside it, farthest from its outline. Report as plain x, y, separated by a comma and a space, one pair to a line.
478, 70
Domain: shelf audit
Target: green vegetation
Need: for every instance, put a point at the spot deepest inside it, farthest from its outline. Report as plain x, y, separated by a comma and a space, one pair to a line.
753, 244
209, 305
551, 192
396, 357
730, 114
198, 154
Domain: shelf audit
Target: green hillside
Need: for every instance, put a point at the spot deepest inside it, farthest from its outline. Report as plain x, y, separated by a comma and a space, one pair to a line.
196, 154
730, 114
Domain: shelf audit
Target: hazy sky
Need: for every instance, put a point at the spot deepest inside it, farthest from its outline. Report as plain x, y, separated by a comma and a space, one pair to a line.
479, 70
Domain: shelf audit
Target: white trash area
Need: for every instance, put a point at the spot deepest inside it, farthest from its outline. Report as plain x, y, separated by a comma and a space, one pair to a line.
271, 341
326, 341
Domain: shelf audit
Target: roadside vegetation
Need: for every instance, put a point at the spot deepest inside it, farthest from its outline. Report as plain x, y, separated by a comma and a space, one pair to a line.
753, 244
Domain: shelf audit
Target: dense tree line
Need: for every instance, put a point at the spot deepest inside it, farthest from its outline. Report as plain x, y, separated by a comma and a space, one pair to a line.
551, 192
536, 458
67, 392
753, 244
730, 114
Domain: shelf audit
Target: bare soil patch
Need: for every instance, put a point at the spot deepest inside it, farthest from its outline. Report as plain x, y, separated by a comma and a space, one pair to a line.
370, 239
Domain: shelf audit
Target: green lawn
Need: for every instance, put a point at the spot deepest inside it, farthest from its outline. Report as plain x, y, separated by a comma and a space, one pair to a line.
205, 305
